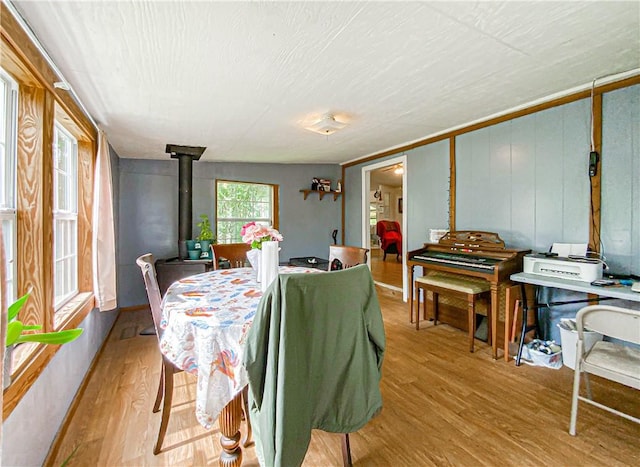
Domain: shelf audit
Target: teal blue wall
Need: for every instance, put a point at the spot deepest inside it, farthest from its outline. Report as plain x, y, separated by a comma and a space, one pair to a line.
149, 210
527, 179
621, 179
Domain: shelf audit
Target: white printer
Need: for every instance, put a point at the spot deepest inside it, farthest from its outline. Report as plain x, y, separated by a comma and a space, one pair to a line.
578, 269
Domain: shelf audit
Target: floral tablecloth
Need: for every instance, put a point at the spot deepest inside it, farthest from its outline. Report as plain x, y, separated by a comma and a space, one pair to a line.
205, 319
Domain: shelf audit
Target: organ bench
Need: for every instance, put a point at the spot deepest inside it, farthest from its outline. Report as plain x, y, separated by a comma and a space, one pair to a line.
457, 286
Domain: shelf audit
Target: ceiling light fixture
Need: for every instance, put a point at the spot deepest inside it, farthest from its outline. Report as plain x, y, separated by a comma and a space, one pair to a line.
398, 170
327, 125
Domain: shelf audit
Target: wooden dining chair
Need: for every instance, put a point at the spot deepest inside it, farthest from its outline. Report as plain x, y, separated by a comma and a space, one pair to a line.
165, 388
235, 253
347, 256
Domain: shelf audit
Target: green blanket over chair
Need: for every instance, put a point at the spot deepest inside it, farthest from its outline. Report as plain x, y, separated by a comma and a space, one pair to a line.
314, 358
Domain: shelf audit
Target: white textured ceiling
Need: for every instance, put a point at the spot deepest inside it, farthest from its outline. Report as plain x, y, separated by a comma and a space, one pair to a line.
241, 78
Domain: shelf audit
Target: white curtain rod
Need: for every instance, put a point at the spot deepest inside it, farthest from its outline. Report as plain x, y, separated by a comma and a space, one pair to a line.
27, 29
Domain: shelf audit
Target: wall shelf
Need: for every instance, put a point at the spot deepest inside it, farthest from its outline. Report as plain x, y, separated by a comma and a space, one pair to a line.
321, 194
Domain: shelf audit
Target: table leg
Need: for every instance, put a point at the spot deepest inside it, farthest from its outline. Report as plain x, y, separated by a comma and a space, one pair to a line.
523, 331
507, 323
494, 319
229, 421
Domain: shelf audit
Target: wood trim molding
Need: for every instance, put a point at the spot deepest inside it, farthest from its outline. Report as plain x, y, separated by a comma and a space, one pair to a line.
45, 258
342, 201
452, 184
134, 308
595, 181
276, 206
599, 90
30, 203
86, 163
25, 377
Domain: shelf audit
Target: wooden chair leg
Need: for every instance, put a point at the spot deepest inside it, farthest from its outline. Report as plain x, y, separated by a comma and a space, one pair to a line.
156, 404
346, 451
166, 407
248, 441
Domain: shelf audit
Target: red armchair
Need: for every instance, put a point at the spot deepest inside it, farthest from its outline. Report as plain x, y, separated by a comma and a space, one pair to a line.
390, 238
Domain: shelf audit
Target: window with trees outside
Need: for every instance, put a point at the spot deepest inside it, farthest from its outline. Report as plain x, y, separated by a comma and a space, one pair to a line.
8, 126
65, 214
238, 203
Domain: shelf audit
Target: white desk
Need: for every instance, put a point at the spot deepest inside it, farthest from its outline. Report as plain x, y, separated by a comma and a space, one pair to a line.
620, 292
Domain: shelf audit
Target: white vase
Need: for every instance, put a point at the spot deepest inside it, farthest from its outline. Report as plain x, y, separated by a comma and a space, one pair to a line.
254, 255
268, 264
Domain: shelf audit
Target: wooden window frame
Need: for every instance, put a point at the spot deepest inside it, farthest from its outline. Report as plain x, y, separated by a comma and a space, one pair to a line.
275, 207
39, 105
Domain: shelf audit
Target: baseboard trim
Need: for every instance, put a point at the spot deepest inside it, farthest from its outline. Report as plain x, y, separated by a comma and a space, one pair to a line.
135, 308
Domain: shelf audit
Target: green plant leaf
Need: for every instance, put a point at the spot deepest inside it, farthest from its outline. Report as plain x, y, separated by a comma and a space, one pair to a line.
15, 307
14, 329
55, 338
32, 327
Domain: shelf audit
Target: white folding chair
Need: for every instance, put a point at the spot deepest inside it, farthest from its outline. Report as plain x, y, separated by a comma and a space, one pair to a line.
611, 360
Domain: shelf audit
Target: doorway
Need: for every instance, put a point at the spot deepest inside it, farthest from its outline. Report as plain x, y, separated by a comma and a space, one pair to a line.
384, 195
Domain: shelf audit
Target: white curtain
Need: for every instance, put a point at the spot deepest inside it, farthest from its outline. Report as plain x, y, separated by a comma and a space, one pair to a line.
104, 247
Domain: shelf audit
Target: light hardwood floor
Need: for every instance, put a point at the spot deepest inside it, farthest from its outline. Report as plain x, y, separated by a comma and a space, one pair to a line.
389, 271
442, 406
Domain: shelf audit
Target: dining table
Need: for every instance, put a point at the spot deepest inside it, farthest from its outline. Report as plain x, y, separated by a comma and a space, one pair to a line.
205, 321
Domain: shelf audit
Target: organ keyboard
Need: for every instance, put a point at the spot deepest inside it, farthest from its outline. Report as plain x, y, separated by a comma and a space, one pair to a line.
472, 254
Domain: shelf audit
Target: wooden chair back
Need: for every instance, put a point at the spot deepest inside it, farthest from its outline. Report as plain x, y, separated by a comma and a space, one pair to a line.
235, 253
348, 255
153, 290
164, 395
